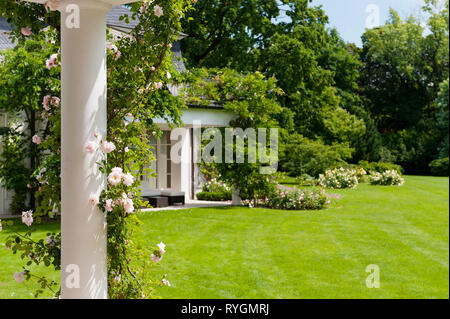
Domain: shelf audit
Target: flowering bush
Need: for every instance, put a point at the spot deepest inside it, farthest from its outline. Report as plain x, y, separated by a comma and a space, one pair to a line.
339, 178
387, 178
294, 200
215, 186
379, 167
361, 174
215, 190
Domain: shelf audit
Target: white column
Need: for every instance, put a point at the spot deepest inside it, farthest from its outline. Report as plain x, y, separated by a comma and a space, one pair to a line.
83, 82
83, 86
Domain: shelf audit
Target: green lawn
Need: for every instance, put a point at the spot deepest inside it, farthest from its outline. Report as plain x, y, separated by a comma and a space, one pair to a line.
258, 253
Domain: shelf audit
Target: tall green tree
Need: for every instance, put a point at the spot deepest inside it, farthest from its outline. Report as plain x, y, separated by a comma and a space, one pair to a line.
228, 33
443, 118
404, 63
251, 36
24, 82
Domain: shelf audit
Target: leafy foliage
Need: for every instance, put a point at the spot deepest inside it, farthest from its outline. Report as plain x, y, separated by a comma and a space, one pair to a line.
214, 196
301, 155
379, 167
252, 98
440, 167
139, 67
403, 68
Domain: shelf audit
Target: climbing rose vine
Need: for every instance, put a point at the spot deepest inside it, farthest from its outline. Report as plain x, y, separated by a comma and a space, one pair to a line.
139, 69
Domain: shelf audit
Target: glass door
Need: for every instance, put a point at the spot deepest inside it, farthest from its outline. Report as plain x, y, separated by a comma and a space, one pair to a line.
162, 165
165, 164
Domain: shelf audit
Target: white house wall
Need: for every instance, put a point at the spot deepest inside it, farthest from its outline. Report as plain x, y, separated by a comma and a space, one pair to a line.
207, 117
181, 170
187, 177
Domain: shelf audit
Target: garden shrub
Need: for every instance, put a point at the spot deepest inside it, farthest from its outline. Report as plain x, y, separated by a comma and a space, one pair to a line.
14, 174
295, 200
301, 155
306, 180
339, 178
215, 186
214, 196
360, 172
253, 98
387, 178
215, 190
380, 167
440, 167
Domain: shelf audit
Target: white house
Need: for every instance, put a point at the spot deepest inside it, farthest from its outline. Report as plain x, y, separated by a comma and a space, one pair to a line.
172, 177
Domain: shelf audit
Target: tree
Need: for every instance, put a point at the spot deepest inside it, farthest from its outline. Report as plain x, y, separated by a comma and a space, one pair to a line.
252, 98
403, 67
292, 51
227, 33
443, 118
24, 82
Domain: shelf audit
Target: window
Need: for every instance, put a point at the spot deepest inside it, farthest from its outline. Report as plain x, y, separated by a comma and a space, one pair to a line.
162, 166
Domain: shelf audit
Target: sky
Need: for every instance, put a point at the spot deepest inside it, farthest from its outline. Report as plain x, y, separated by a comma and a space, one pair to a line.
350, 16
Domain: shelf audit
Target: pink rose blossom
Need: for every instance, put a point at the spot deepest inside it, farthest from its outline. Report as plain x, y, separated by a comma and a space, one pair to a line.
115, 178
51, 62
93, 199
165, 282
143, 8
128, 179
51, 241
27, 218
90, 147
46, 102
36, 139
117, 170
155, 258
109, 205
26, 31
55, 101
128, 205
158, 11
108, 147
19, 276
158, 85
